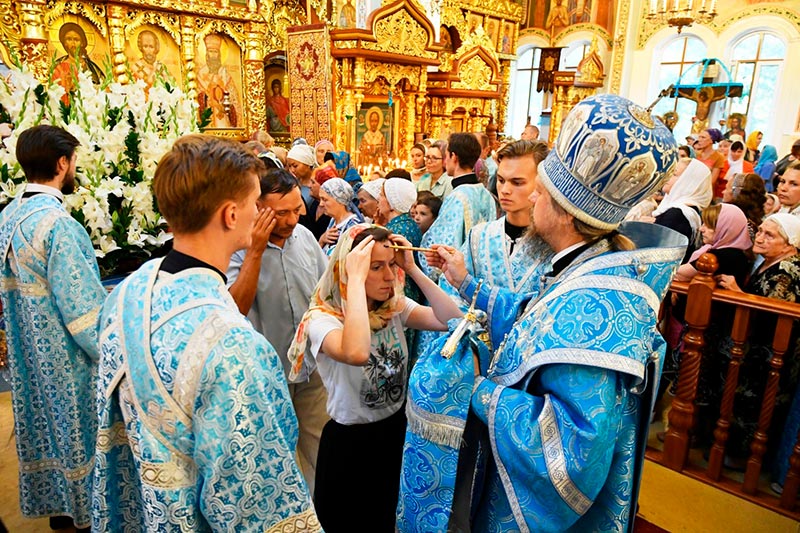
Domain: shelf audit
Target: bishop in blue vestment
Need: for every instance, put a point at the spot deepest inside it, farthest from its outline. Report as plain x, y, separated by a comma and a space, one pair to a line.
556, 426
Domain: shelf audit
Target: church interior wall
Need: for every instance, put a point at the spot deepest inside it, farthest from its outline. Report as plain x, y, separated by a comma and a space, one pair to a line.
641, 82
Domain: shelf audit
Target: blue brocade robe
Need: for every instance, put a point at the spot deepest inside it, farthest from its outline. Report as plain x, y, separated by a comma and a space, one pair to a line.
486, 257
197, 429
467, 206
561, 396
51, 294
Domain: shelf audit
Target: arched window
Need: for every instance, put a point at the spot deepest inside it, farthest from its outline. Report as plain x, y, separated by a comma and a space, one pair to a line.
574, 54
676, 58
525, 101
756, 62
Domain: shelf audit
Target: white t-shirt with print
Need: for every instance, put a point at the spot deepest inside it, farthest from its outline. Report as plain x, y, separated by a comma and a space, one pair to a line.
370, 393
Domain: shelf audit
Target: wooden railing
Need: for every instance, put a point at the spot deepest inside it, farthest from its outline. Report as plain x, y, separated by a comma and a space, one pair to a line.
700, 293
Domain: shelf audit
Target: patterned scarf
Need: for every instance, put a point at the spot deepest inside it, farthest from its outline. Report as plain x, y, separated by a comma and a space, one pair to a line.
330, 298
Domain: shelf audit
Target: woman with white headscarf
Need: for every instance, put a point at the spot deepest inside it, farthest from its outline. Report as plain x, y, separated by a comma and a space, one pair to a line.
368, 196
394, 203
686, 194
336, 201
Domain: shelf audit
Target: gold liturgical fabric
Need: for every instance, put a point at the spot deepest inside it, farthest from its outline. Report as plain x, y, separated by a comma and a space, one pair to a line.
309, 81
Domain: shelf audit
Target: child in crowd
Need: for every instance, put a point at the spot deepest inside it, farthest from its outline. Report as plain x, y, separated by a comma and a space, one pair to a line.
426, 210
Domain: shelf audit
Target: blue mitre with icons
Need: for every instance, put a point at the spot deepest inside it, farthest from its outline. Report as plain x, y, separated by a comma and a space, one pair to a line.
609, 155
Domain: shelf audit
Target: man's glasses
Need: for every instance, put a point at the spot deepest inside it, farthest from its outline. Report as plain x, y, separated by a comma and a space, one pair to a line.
431, 158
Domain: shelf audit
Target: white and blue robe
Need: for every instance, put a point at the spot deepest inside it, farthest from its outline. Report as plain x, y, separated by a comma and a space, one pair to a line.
51, 294
560, 408
467, 206
488, 256
197, 429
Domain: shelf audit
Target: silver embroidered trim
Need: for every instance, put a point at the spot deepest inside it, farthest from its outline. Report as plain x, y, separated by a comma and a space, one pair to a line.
193, 359
440, 429
573, 356
556, 461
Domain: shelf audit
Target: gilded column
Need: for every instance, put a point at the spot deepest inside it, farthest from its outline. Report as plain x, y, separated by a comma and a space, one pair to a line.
505, 81
187, 51
359, 74
116, 32
255, 83
410, 122
33, 41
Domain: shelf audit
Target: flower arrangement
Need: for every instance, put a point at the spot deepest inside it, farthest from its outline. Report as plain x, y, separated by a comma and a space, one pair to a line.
123, 130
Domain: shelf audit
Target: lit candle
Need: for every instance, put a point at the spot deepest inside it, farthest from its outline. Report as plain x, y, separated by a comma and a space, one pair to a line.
689, 6
713, 6
703, 6
653, 8
675, 5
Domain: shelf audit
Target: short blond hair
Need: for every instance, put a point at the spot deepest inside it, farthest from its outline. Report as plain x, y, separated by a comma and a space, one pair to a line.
197, 175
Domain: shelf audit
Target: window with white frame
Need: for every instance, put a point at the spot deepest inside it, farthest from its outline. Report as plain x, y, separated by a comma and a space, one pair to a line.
573, 54
756, 61
677, 57
525, 101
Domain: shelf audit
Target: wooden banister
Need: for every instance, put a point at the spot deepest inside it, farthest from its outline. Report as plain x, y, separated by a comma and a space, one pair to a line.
739, 334
701, 293
682, 415
758, 448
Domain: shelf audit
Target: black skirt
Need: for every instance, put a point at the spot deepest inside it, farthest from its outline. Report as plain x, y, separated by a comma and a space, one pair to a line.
358, 475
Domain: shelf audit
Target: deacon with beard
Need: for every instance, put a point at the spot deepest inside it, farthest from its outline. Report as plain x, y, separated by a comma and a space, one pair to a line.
51, 294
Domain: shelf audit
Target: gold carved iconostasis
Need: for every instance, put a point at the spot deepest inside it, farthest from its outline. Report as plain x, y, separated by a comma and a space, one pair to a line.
222, 52
398, 78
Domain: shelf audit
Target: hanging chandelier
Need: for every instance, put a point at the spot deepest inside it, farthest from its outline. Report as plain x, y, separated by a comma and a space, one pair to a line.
680, 13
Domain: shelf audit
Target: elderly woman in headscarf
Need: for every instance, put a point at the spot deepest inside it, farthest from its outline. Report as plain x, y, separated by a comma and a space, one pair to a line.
772, 204
336, 201
368, 196
321, 148
394, 205
767, 165
686, 194
354, 329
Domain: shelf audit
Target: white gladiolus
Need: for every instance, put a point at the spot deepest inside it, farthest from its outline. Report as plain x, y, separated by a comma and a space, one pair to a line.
113, 197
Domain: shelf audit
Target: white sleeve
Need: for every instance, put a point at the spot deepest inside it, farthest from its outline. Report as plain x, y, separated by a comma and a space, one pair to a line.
407, 310
318, 329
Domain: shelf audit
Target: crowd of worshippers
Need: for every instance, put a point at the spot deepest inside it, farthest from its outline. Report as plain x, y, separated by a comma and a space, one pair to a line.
281, 367
742, 205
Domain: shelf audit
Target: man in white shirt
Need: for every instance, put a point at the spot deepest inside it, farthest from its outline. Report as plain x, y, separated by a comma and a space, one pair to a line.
272, 282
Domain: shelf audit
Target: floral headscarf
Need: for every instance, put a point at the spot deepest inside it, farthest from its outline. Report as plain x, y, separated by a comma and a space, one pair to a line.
330, 298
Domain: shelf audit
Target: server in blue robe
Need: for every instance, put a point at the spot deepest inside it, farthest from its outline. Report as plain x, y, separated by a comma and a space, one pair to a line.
502, 252
559, 416
197, 430
51, 294
466, 206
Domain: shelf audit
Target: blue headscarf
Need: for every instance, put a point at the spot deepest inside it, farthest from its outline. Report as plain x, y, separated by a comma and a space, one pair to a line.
768, 155
346, 171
